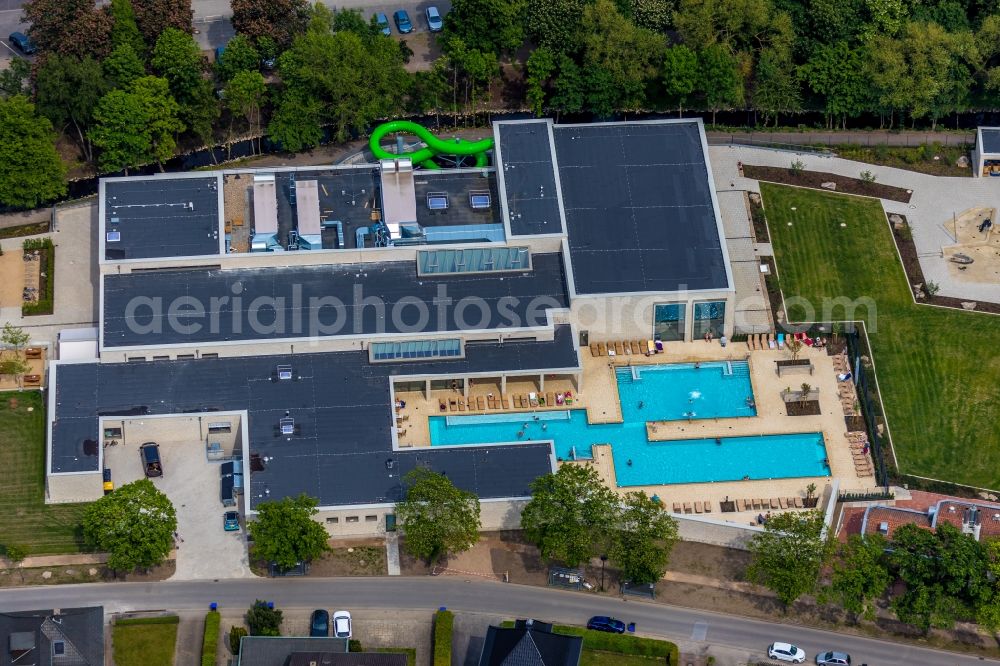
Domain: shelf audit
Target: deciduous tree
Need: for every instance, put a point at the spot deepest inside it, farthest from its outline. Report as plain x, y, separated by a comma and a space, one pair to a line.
263, 620
14, 337
776, 87
135, 525
245, 95
859, 575
31, 172
644, 534
720, 83
136, 126
787, 555
570, 514
296, 123
67, 92
281, 20
124, 29
836, 72
69, 27
493, 26
568, 92
240, 56
12, 78
541, 65
123, 67
155, 16
178, 58
436, 517
555, 24
681, 75
285, 533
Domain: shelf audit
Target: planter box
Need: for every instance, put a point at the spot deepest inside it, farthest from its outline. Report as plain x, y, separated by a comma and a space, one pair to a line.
803, 365
796, 396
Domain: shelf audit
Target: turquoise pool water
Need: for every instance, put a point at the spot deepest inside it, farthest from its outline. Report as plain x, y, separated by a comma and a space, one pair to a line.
666, 392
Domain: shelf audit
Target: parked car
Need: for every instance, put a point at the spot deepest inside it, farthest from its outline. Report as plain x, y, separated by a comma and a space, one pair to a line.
382, 21
342, 624
23, 44
786, 652
319, 623
402, 20
833, 659
434, 22
109, 485
605, 623
149, 453
231, 521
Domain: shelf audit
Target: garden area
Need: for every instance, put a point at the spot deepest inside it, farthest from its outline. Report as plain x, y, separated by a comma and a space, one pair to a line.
604, 649
937, 369
25, 519
147, 641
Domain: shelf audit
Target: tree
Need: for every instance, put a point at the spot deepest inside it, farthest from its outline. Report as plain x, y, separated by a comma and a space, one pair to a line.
245, 95
776, 88
14, 367
285, 532
436, 517
31, 172
570, 514
655, 15
430, 89
541, 64
12, 79
280, 20
123, 67
178, 58
859, 575
296, 123
720, 80
240, 56
680, 75
263, 620
988, 612
836, 72
494, 26
124, 29
555, 24
14, 337
69, 27
474, 67
787, 555
136, 126
135, 525
643, 538
568, 93
16, 554
67, 92
155, 16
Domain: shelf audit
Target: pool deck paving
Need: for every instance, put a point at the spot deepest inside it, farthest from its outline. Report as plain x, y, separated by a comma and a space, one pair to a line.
599, 396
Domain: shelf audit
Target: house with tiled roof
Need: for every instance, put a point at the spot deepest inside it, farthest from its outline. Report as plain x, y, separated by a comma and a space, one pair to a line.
978, 518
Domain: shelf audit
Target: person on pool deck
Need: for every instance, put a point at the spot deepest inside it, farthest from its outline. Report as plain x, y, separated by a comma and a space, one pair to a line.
760, 519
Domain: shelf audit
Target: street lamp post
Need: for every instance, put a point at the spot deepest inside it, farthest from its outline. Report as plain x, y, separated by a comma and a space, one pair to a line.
604, 559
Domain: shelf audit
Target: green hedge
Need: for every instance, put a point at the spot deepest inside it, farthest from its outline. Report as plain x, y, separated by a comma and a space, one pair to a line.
163, 619
619, 643
46, 302
444, 621
210, 644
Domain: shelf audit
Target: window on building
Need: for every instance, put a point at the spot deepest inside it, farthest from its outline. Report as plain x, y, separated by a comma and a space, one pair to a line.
669, 321
473, 260
136, 359
416, 350
58, 648
709, 317
333, 520
184, 357
211, 355
221, 426
352, 519
371, 519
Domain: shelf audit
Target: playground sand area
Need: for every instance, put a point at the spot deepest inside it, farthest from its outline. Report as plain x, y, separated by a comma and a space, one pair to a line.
982, 247
11, 278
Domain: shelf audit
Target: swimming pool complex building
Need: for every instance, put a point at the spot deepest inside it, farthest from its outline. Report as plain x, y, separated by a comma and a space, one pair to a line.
310, 324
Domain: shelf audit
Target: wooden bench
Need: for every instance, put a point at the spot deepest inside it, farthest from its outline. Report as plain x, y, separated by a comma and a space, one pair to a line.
32, 380
33, 352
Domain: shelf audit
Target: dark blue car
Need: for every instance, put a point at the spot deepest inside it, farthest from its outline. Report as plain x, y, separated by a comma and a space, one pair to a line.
402, 20
605, 623
319, 623
21, 41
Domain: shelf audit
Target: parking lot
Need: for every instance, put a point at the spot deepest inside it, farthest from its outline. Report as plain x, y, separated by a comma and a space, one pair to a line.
191, 481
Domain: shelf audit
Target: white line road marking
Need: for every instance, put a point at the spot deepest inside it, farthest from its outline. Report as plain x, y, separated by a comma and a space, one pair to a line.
700, 631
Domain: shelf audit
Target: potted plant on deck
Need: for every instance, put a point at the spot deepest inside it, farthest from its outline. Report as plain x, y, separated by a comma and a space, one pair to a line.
811, 500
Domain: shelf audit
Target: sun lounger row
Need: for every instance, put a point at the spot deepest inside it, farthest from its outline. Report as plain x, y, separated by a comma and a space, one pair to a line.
759, 504
626, 347
699, 507
519, 401
763, 341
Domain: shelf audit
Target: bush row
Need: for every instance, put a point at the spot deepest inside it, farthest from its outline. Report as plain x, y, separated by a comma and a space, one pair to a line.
210, 643
444, 621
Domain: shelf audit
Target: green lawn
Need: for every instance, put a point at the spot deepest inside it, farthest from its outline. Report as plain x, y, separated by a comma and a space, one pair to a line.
601, 658
25, 519
938, 370
145, 644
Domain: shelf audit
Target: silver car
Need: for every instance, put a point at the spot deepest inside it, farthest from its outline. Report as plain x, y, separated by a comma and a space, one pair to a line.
833, 659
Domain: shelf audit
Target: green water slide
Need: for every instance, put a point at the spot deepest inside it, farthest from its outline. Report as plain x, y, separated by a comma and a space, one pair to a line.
433, 145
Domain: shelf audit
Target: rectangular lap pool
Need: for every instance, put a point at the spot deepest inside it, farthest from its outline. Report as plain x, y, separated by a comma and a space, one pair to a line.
665, 392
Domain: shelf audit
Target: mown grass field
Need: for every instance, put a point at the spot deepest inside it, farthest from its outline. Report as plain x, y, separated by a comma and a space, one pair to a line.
25, 519
938, 370
146, 642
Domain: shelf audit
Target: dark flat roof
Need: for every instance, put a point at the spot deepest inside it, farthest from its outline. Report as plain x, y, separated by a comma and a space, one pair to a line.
340, 198
529, 178
457, 186
340, 403
639, 212
991, 140
155, 219
289, 310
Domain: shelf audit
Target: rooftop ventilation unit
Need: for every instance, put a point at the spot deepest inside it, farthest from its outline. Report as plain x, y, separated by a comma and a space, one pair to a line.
287, 425
437, 200
114, 236
284, 372
479, 200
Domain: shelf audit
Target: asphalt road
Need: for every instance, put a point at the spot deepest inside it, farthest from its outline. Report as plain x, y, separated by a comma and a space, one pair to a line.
679, 624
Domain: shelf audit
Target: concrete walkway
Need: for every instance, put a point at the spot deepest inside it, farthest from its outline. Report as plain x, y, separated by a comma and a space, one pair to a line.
854, 137
935, 200
56, 560
392, 553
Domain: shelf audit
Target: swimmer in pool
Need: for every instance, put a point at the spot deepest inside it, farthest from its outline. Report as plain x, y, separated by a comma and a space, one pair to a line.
629, 463
641, 404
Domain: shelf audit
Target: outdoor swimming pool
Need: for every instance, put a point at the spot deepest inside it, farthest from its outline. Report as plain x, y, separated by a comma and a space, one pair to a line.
665, 392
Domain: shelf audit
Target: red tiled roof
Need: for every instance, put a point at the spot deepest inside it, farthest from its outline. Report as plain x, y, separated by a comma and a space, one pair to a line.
894, 518
989, 516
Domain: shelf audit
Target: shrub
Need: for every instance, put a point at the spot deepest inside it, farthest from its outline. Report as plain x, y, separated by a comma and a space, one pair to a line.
354, 645
443, 623
44, 305
868, 176
210, 643
798, 166
263, 620
236, 634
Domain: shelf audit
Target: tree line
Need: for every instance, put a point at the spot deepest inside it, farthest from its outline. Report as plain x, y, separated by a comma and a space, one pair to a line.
129, 86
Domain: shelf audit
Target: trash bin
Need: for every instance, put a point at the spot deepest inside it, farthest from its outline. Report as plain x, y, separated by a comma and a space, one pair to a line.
631, 627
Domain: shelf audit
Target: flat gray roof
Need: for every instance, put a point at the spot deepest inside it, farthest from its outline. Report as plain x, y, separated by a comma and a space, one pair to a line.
137, 305
529, 178
161, 217
457, 187
639, 209
342, 447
